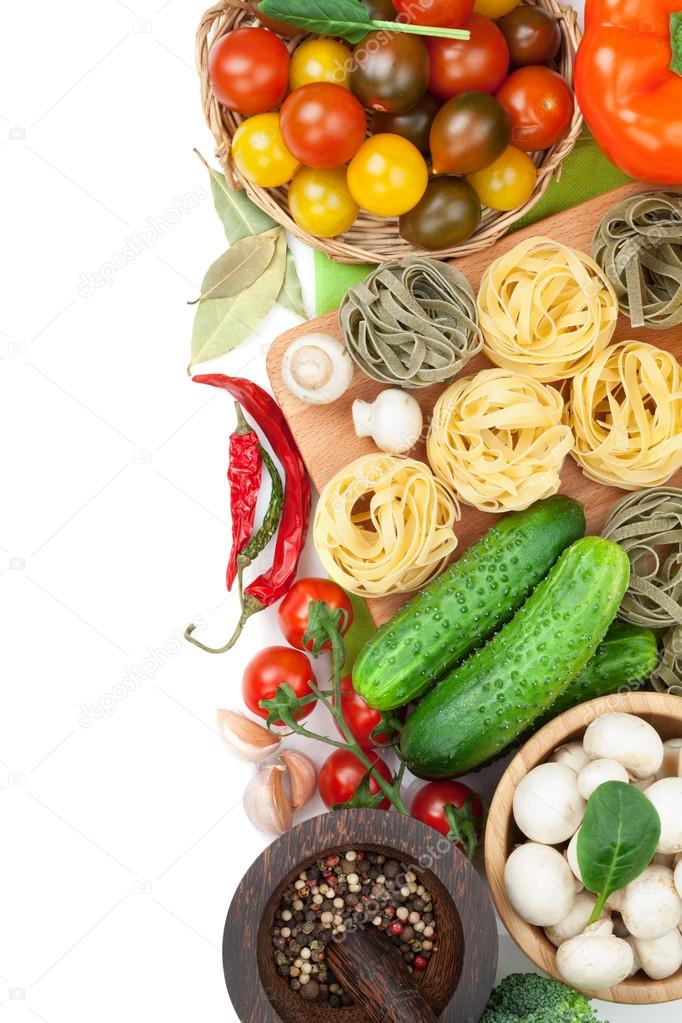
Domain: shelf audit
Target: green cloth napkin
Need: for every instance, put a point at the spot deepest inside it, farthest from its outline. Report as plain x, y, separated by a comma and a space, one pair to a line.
585, 173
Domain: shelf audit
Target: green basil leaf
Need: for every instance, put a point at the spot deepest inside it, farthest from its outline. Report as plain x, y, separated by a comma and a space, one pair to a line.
223, 323
348, 19
618, 838
290, 296
239, 267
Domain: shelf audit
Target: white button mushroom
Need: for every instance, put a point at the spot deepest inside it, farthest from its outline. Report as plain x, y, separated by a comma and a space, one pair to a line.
662, 957
576, 921
651, 906
572, 755
393, 420
539, 884
672, 760
572, 857
627, 739
597, 772
547, 804
677, 878
636, 965
595, 960
666, 795
317, 369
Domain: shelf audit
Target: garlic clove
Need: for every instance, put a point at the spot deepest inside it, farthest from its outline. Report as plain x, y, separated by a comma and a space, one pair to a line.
248, 740
266, 802
302, 777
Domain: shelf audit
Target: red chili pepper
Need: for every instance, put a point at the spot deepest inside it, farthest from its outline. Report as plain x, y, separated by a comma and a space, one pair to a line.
244, 475
273, 584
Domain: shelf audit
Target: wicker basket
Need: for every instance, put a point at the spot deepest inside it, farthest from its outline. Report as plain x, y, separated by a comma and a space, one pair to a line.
373, 239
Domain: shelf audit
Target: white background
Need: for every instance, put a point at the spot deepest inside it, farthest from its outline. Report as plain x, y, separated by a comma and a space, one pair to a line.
123, 836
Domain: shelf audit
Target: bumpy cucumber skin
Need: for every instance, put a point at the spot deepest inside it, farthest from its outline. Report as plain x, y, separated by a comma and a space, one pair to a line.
457, 611
488, 701
624, 660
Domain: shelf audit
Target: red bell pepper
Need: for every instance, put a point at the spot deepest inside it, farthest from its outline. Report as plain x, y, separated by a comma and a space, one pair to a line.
628, 81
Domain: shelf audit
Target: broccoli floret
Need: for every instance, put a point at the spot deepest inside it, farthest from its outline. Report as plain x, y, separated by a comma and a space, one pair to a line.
529, 998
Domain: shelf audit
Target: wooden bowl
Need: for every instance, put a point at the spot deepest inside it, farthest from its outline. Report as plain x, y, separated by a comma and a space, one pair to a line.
662, 711
459, 977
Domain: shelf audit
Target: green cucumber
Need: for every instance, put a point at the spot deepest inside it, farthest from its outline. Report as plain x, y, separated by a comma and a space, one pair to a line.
487, 702
459, 609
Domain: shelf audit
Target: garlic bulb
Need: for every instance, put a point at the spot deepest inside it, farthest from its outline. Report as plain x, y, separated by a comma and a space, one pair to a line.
317, 369
393, 420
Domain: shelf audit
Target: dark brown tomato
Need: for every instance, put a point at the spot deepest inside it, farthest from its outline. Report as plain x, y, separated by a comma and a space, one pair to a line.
389, 71
381, 10
448, 214
280, 27
532, 35
468, 134
413, 124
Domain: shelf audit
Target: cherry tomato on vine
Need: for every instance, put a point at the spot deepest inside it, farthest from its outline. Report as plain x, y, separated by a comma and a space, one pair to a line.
495, 8
320, 60
479, 64
540, 105
387, 176
447, 13
532, 35
448, 213
468, 133
292, 613
507, 183
389, 71
360, 717
260, 154
322, 124
249, 70
413, 124
320, 202
463, 825
342, 773
270, 669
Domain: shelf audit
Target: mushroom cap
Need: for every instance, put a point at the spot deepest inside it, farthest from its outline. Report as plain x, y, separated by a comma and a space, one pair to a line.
592, 962
548, 806
539, 884
666, 795
576, 921
572, 857
660, 958
627, 739
651, 906
672, 760
596, 772
572, 755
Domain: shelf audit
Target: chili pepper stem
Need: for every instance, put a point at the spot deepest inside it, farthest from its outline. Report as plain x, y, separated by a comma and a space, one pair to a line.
250, 607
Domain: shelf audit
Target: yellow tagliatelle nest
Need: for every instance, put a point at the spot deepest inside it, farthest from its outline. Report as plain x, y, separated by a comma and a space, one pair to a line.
384, 524
498, 440
626, 415
545, 310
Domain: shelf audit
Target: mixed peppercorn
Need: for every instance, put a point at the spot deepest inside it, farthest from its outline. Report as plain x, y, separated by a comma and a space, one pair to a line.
338, 894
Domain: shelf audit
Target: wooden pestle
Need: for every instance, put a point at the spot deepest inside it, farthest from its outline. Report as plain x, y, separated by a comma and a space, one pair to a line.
372, 971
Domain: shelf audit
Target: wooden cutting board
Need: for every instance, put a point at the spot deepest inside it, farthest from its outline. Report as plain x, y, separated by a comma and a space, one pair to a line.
325, 433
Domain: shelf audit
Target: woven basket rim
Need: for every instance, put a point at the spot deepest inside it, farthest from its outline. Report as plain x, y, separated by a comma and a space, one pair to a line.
373, 239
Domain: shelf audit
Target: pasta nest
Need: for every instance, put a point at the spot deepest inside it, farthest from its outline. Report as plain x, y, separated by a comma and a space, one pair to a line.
384, 524
545, 310
498, 440
626, 415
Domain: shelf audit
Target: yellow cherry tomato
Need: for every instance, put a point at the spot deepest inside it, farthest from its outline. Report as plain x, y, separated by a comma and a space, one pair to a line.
495, 8
507, 183
320, 202
320, 60
387, 176
259, 152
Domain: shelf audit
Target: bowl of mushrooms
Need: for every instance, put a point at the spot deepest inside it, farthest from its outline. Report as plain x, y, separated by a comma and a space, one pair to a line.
583, 848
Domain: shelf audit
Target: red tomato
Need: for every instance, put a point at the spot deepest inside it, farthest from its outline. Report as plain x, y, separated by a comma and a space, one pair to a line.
448, 13
341, 774
540, 104
269, 669
429, 805
293, 611
249, 70
360, 717
322, 124
479, 64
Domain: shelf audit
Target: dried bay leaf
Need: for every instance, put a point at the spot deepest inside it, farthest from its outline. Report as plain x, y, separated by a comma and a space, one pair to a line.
290, 296
240, 217
221, 324
239, 267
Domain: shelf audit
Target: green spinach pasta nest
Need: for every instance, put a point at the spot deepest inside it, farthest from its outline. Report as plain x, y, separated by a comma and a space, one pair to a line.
411, 323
